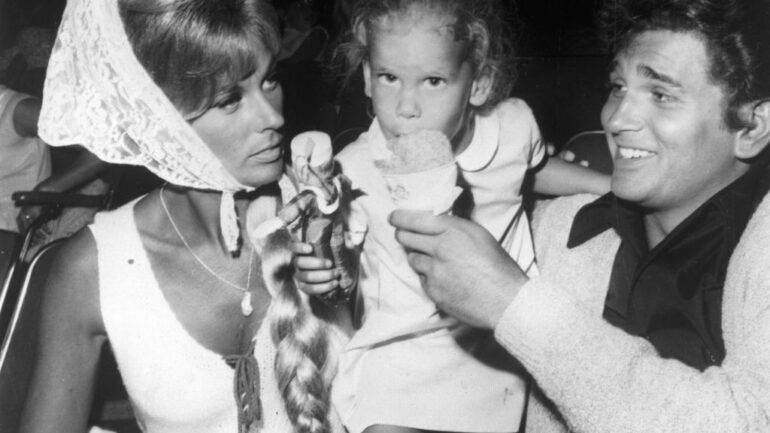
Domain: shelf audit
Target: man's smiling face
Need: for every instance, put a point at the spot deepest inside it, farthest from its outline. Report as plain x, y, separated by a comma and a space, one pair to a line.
664, 118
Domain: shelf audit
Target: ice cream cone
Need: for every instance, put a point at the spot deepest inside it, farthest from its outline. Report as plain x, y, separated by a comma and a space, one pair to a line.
420, 172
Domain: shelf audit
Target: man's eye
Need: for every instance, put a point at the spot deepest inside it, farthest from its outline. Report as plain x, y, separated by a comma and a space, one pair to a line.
616, 88
662, 97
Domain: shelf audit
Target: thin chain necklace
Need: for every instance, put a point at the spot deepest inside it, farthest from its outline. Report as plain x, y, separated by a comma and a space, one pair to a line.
246, 308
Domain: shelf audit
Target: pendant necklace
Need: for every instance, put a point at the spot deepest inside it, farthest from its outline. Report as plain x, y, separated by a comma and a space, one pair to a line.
246, 308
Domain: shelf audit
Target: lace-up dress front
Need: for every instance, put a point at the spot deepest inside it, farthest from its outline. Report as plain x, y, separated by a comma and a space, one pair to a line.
175, 385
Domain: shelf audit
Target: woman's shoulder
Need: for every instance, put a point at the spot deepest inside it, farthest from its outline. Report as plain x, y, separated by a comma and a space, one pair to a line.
77, 253
72, 281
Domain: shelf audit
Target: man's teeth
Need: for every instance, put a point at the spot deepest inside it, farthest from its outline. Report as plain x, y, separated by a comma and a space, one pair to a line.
629, 153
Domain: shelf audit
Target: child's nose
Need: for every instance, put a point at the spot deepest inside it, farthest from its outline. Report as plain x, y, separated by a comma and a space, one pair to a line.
408, 105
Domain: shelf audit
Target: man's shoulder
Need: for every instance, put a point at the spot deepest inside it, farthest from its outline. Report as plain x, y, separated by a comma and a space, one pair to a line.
561, 209
552, 219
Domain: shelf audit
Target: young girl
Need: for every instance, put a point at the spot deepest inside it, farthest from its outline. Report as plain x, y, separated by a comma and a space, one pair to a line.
445, 66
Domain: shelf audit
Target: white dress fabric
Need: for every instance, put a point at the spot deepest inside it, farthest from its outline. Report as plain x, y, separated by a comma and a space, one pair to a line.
175, 385
407, 365
24, 161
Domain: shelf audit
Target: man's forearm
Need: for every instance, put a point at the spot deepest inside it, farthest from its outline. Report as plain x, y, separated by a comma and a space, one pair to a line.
605, 380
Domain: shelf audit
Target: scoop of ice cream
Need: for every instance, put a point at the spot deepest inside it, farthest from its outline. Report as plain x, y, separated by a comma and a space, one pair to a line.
419, 171
420, 151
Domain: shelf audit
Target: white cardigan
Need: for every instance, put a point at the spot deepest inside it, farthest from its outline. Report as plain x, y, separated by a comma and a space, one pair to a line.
601, 379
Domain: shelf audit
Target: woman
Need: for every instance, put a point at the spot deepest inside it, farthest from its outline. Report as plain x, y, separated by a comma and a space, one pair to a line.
186, 88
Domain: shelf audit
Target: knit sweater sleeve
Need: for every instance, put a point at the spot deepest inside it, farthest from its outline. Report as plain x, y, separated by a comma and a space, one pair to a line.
603, 380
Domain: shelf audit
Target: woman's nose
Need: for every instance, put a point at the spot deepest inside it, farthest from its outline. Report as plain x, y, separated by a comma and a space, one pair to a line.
408, 105
269, 110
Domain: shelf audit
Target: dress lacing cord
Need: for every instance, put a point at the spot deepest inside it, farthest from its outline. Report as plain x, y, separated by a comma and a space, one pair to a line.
246, 389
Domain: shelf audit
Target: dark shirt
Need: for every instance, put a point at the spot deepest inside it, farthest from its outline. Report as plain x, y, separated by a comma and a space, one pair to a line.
672, 295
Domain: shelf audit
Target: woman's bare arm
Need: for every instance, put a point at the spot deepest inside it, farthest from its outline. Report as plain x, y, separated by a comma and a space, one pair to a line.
69, 343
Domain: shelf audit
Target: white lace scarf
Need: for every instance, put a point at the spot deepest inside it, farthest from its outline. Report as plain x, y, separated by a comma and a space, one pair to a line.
97, 94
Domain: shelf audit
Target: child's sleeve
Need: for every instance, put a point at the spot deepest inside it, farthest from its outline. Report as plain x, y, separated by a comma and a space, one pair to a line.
537, 147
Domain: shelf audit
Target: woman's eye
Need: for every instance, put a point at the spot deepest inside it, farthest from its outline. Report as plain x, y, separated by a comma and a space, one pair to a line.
270, 83
230, 103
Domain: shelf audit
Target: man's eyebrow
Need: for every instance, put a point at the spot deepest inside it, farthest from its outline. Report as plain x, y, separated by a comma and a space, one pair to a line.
648, 72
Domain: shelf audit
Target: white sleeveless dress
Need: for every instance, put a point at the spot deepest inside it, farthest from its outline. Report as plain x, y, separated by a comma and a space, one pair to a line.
175, 385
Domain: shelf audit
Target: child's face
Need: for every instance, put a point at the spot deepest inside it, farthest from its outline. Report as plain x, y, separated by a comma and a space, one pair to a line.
418, 78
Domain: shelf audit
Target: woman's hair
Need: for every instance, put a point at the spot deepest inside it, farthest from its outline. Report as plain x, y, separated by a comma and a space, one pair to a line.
194, 49
735, 32
483, 25
299, 328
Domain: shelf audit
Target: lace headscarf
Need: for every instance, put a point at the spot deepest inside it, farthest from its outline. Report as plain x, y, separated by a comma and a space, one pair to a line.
97, 94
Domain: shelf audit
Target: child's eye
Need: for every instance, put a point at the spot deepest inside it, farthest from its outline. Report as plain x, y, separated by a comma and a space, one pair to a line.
435, 81
387, 78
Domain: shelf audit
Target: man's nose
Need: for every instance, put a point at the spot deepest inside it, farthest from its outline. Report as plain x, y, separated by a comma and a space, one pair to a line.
408, 104
621, 114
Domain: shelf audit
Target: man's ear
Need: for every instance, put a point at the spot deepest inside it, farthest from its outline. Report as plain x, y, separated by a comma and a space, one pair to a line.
481, 88
752, 139
367, 78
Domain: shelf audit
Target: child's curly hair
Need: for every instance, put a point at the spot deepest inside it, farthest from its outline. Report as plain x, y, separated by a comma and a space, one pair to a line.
483, 24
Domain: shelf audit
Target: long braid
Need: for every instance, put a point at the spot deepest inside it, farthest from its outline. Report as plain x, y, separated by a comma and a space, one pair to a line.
300, 335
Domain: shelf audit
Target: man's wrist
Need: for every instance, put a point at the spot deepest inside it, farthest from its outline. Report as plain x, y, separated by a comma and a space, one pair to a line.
502, 304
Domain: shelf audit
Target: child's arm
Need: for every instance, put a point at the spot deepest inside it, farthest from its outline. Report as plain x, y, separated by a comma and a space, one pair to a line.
559, 177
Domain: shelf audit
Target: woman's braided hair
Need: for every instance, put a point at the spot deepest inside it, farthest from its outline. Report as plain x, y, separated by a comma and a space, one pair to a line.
299, 329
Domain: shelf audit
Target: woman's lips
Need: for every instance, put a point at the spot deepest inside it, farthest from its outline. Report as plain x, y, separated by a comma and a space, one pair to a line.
271, 154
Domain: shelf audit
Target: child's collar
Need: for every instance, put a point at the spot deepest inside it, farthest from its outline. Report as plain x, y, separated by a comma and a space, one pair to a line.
484, 143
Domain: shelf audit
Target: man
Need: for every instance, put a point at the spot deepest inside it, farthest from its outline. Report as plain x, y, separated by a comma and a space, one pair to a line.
653, 309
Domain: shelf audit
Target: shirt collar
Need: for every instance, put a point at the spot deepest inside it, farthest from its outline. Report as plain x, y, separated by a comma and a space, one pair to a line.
483, 146
376, 139
734, 204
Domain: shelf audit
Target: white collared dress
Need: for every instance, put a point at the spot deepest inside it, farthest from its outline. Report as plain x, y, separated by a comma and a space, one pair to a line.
409, 365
